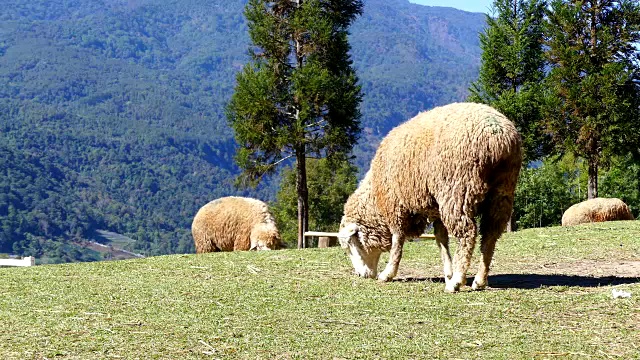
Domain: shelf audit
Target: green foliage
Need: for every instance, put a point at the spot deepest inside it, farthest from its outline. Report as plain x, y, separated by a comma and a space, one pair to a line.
103, 135
546, 191
330, 184
594, 104
112, 113
299, 94
512, 68
34, 211
411, 58
622, 180
574, 93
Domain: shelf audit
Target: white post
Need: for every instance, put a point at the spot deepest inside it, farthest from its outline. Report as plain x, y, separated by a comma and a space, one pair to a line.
28, 261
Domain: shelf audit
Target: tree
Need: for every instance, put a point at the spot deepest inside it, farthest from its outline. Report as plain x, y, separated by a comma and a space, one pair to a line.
546, 191
594, 79
298, 96
512, 68
330, 184
622, 180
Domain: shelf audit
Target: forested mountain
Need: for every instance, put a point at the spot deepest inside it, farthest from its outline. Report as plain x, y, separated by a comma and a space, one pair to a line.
112, 111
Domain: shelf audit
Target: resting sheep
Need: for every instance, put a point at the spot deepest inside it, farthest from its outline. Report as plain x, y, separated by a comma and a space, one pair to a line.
445, 166
234, 223
596, 210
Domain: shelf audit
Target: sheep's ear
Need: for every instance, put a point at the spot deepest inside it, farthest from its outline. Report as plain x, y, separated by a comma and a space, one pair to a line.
345, 234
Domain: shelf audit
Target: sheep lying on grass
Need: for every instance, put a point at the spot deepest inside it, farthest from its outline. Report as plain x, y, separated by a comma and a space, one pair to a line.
596, 210
445, 166
234, 223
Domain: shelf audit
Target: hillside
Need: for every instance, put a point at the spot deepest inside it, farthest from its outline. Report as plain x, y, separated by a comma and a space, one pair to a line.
549, 296
112, 110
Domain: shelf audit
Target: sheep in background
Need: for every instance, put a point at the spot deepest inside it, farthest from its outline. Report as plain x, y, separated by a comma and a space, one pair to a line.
234, 223
596, 210
445, 166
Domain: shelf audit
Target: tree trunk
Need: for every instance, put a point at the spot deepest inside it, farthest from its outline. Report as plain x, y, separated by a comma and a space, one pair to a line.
303, 197
301, 165
592, 185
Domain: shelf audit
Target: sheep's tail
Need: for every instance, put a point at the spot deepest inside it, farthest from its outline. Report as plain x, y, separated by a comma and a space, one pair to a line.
497, 207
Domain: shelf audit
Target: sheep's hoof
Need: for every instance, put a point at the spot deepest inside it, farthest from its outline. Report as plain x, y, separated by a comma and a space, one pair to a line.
450, 288
367, 274
454, 283
476, 286
385, 277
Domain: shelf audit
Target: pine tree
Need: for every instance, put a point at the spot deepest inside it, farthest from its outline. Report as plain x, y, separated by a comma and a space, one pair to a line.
298, 96
594, 79
512, 69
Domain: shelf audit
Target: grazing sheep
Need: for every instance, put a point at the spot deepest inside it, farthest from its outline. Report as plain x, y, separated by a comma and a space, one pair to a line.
596, 210
234, 223
445, 166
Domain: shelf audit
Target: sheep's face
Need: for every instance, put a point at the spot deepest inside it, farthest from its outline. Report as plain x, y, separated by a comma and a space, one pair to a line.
365, 263
265, 237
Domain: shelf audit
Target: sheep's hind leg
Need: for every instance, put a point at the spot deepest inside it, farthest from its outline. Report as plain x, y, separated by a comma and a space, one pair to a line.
487, 247
492, 224
442, 238
465, 230
395, 255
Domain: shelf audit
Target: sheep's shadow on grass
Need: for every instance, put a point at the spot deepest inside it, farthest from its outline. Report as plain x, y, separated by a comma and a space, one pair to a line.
534, 281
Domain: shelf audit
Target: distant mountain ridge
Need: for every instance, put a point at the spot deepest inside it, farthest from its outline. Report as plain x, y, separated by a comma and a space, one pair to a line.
123, 100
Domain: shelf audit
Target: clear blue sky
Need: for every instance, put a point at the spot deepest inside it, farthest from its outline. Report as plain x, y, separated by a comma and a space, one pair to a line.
481, 6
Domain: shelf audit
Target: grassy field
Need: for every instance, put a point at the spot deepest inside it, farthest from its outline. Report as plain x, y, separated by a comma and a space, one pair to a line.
550, 297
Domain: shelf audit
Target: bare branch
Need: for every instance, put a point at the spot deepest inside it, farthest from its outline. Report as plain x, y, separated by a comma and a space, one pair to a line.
316, 124
279, 161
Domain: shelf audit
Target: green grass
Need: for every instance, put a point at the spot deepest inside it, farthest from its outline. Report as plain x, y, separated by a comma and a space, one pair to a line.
550, 299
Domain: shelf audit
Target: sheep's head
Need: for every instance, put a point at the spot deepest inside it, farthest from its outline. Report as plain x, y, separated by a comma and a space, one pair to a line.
265, 236
365, 262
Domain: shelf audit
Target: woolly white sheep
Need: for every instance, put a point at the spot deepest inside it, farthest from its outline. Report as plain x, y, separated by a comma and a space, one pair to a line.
445, 166
596, 210
234, 223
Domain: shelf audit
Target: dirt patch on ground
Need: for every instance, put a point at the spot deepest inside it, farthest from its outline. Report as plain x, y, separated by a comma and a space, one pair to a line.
594, 268
584, 273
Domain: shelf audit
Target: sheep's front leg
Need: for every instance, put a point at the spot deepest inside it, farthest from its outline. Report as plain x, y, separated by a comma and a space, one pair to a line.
395, 255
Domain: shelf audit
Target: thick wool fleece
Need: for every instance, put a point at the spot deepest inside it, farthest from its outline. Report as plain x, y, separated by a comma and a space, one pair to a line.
446, 165
596, 210
233, 223
375, 232
443, 163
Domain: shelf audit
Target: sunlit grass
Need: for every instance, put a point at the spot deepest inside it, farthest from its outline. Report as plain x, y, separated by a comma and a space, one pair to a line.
548, 300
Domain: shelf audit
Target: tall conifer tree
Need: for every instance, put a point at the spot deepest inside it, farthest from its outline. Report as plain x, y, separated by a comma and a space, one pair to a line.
512, 69
298, 96
594, 78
